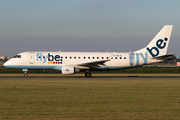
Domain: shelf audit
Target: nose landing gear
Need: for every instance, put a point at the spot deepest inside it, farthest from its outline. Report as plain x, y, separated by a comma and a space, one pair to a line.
25, 75
25, 72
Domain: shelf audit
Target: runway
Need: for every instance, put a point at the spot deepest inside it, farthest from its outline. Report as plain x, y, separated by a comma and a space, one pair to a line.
90, 78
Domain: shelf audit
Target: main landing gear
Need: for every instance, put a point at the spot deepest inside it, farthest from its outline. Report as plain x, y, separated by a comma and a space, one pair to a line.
87, 74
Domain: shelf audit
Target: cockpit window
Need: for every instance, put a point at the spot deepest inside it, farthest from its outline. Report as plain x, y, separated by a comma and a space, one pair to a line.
17, 56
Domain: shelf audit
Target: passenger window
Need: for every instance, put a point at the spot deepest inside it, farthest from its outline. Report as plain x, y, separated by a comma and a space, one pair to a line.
79, 57
93, 57
39, 56
66, 57
102, 57
88, 57
74, 57
61, 57
120, 57
70, 57
124, 57
115, 57
84, 57
106, 57
97, 57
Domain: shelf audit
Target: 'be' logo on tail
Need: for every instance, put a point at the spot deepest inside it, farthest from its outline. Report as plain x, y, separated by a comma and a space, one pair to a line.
160, 45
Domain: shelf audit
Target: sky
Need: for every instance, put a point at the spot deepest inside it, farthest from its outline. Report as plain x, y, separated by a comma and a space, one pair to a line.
85, 25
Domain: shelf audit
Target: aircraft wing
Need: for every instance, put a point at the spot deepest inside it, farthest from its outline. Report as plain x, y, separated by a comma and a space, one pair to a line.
95, 64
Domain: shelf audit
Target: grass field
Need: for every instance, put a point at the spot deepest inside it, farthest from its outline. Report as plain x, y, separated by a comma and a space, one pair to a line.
89, 98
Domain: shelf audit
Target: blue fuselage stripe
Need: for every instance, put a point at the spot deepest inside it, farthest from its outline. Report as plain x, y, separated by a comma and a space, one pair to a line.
59, 67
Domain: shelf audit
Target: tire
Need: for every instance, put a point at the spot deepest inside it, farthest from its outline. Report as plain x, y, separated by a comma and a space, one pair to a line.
87, 74
25, 75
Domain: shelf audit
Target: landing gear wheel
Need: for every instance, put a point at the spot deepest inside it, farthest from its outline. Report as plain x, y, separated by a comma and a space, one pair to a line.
25, 75
87, 74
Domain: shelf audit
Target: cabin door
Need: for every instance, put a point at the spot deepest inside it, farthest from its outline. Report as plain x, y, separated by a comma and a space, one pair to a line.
31, 57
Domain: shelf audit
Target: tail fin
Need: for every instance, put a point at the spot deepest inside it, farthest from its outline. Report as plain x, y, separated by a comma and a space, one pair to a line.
159, 44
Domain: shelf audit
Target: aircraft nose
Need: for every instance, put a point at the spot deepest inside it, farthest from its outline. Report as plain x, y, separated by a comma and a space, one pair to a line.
6, 64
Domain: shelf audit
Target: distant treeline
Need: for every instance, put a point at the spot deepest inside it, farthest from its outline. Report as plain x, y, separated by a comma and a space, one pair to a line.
133, 70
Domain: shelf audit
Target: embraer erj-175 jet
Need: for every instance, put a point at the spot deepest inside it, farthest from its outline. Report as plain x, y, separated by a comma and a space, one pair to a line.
73, 62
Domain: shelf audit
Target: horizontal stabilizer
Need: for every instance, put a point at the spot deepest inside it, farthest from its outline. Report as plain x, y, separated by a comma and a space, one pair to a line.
165, 57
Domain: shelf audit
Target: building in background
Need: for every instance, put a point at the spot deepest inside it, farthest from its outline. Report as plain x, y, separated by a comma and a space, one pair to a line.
2, 58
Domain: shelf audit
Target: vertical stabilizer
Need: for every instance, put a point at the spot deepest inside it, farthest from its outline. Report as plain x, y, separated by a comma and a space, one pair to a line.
159, 44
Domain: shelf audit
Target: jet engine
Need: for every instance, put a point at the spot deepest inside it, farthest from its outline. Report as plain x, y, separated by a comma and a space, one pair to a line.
67, 70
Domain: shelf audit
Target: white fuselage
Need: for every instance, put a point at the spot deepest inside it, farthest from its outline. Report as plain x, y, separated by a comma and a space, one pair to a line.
55, 60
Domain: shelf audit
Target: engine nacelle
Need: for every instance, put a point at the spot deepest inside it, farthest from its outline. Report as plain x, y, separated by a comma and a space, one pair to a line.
67, 70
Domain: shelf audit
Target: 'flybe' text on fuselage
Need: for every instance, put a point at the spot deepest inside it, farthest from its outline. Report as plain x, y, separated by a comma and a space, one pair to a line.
51, 58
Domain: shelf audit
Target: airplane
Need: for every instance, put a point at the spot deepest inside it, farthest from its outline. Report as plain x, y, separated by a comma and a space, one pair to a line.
74, 62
